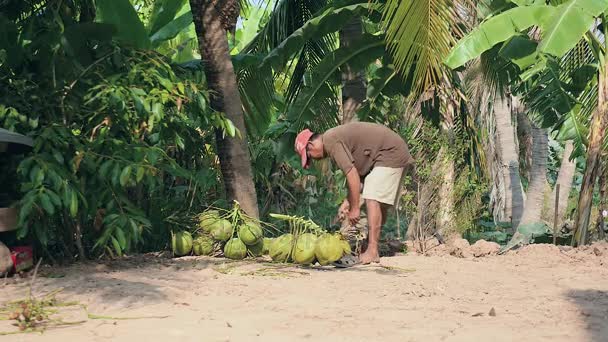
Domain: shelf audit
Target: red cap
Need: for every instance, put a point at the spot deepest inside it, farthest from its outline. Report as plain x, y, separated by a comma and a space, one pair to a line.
300, 145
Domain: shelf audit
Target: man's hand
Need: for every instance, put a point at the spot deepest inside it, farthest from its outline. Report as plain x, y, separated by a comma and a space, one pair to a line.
354, 214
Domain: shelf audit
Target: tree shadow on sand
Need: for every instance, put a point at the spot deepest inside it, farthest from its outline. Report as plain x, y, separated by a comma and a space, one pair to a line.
127, 282
593, 305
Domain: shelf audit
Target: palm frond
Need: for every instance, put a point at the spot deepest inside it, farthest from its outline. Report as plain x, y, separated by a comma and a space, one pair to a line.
424, 31
318, 98
257, 91
563, 94
287, 17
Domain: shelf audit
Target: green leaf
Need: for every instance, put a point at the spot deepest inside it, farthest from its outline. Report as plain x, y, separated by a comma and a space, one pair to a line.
496, 30
105, 167
67, 195
45, 201
163, 12
172, 29
58, 157
331, 20
38, 176
41, 234
54, 198
120, 236
230, 128
306, 105
73, 204
140, 173
521, 50
116, 246
564, 27
125, 175
123, 16
116, 174
387, 81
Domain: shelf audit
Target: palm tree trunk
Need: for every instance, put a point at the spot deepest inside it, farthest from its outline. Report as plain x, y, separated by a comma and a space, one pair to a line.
599, 123
508, 161
212, 19
353, 89
445, 222
601, 226
538, 177
565, 177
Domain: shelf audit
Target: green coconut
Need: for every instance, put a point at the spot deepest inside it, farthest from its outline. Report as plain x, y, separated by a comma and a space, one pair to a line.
235, 249
280, 248
181, 243
257, 249
328, 249
304, 252
346, 247
251, 233
267, 243
202, 245
207, 219
221, 230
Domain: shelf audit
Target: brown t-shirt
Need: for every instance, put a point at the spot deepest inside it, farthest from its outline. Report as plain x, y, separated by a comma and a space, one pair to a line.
365, 145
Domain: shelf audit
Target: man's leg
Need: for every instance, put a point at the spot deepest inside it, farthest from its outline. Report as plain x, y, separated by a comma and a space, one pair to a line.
374, 222
380, 192
376, 218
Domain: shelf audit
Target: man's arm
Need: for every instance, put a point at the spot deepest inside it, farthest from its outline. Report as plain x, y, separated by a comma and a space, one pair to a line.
354, 185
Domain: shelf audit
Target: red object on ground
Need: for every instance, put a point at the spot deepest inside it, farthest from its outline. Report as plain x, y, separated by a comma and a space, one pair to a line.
23, 258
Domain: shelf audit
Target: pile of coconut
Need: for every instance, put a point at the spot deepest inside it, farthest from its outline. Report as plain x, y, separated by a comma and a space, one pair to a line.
237, 236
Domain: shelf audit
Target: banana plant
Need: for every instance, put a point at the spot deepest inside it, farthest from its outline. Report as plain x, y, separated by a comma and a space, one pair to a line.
564, 26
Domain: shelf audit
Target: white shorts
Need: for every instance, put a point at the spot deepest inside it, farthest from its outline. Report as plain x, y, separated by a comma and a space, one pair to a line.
383, 184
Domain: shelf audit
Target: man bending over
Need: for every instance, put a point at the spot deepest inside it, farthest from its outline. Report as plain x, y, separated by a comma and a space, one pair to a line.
374, 159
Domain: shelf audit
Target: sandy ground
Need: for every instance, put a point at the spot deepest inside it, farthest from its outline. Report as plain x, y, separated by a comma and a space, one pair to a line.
538, 293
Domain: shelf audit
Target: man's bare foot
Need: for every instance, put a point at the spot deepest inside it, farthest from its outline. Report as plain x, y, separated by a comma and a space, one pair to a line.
368, 257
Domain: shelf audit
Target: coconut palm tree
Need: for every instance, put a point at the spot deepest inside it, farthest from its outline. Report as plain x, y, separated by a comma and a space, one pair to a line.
212, 20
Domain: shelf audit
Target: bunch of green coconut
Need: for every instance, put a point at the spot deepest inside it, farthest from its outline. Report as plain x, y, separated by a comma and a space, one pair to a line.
231, 234
307, 243
235, 235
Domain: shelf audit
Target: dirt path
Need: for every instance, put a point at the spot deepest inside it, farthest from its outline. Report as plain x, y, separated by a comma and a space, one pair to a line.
538, 294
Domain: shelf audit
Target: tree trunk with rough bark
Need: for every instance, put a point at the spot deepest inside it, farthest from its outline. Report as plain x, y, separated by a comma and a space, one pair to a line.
538, 177
353, 89
212, 20
445, 220
508, 164
601, 224
565, 177
599, 123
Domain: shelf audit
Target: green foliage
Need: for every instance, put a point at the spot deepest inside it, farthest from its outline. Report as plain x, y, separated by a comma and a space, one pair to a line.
419, 35
122, 15
122, 143
469, 193
562, 28
358, 55
329, 21
287, 17
496, 29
